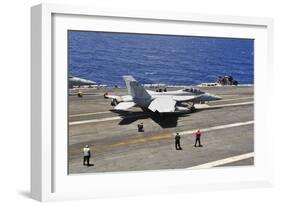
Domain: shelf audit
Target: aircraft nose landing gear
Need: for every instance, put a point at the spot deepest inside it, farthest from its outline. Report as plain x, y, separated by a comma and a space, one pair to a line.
192, 109
113, 102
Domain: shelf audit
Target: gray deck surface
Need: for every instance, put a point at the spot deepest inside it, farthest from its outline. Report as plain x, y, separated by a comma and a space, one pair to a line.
116, 144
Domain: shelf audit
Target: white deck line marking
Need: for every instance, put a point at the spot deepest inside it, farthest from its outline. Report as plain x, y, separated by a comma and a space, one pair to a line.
118, 117
102, 119
171, 135
237, 124
94, 120
223, 161
91, 113
226, 100
107, 112
229, 105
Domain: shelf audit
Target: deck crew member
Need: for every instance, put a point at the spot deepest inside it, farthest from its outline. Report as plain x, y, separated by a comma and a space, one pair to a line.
140, 127
198, 138
177, 141
86, 155
80, 94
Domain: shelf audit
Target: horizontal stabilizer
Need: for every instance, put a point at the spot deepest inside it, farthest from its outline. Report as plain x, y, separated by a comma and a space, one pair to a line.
163, 104
124, 105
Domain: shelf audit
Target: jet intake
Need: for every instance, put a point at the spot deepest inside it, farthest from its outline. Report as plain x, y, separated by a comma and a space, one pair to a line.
182, 109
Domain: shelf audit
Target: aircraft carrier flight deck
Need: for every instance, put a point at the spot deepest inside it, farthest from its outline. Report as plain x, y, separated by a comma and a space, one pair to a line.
227, 127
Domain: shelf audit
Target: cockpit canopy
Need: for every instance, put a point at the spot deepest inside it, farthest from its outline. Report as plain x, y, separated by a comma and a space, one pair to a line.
193, 90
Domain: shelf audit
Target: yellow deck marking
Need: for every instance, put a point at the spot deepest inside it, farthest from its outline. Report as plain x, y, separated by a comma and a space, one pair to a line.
142, 140
172, 135
103, 147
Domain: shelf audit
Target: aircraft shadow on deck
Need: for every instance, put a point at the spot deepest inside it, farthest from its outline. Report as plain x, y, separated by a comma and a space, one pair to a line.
164, 121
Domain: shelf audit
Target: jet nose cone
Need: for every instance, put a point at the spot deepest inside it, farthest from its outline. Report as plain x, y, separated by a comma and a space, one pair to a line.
90, 82
87, 82
216, 97
212, 97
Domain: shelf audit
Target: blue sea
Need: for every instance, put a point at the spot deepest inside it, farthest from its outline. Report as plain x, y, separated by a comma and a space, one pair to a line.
174, 60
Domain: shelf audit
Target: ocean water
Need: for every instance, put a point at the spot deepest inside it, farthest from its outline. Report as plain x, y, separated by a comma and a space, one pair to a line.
174, 60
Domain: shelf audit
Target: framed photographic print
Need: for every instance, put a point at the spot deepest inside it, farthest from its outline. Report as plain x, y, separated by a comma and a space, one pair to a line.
136, 102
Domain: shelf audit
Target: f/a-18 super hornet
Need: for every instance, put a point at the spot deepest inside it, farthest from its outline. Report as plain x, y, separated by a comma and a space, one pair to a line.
159, 102
76, 81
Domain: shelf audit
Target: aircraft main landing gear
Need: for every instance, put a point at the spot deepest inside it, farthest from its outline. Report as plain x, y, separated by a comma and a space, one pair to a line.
192, 109
113, 102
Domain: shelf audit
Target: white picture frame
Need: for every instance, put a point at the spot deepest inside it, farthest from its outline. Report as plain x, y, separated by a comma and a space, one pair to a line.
49, 178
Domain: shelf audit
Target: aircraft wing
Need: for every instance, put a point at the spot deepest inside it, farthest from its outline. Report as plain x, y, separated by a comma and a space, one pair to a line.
184, 98
163, 104
124, 105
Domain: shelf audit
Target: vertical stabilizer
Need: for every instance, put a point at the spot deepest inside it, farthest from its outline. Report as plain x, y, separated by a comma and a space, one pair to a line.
135, 89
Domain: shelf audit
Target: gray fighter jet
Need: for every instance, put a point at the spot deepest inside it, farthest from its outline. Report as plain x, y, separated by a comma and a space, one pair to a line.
159, 102
76, 81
